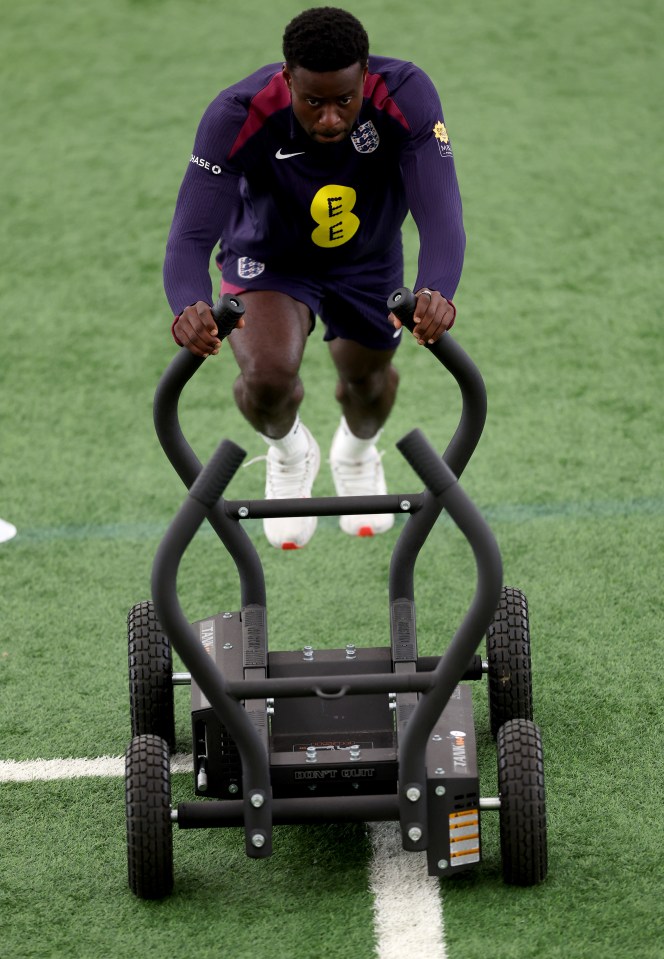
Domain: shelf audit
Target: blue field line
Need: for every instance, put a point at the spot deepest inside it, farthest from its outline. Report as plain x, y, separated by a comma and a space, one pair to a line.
509, 513
596, 509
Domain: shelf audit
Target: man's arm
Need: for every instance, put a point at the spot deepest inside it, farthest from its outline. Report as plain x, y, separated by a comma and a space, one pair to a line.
200, 213
434, 200
197, 224
207, 196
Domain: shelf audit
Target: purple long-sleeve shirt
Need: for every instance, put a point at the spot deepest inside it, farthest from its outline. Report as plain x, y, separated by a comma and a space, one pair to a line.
259, 185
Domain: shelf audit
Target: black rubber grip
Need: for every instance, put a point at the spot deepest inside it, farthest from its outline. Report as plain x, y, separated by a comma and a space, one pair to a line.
432, 470
402, 303
227, 311
217, 473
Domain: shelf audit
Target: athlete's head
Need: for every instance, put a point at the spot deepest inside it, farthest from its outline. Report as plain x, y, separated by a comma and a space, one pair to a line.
323, 39
326, 51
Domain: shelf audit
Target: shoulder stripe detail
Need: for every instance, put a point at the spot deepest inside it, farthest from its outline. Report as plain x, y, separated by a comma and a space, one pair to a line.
376, 90
267, 101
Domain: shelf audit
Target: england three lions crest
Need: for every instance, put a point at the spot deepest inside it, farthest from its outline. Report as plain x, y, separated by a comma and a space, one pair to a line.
248, 268
365, 138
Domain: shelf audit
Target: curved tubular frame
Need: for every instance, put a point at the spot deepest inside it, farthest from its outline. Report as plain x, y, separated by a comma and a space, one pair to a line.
442, 491
450, 669
459, 450
255, 761
187, 465
435, 688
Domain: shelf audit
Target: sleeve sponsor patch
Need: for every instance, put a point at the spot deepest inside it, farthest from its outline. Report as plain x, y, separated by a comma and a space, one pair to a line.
442, 139
205, 164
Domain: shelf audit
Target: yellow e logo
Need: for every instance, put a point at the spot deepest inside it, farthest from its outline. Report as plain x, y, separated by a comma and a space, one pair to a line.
331, 209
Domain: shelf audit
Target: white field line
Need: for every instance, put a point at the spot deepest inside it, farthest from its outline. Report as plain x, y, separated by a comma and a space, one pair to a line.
43, 769
408, 918
408, 915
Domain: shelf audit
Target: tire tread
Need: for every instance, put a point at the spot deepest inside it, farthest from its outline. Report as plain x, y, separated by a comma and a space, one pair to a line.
148, 809
523, 829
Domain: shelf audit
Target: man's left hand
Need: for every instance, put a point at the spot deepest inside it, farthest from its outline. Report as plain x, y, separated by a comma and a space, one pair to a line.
434, 315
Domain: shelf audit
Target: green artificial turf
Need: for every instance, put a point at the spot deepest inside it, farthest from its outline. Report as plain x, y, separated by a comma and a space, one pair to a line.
309, 899
554, 114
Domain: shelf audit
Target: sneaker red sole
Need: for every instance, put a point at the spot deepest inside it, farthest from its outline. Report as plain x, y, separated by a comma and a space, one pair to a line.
365, 531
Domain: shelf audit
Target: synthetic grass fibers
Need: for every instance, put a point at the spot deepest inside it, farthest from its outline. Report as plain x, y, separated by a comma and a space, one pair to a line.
554, 116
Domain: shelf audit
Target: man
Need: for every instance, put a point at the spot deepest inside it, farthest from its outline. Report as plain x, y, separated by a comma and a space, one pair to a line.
304, 173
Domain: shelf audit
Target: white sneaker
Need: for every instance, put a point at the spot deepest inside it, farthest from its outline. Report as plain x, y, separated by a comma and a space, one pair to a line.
361, 477
291, 480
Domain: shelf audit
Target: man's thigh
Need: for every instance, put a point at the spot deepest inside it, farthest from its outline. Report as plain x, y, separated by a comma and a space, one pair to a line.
357, 363
275, 332
354, 305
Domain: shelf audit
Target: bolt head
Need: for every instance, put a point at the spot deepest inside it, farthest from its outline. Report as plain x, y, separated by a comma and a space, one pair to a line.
442, 864
243, 512
413, 794
440, 790
233, 788
258, 840
414, 833
404, 505
257, 800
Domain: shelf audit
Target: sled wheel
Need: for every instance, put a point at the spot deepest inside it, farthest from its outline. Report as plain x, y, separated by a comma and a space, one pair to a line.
522, 803
148, 808
508, 656
150, 675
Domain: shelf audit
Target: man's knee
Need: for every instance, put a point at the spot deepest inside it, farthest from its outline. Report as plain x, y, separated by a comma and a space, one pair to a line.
367, 385
270, 385
269, 351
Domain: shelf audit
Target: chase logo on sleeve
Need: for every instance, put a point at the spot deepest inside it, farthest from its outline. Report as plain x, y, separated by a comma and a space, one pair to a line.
205, 164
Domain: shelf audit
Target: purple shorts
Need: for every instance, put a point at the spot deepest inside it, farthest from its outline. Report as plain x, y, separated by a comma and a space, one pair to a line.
350, 300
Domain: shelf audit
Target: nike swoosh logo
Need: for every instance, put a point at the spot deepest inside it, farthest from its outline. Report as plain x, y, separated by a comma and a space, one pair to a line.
285, 156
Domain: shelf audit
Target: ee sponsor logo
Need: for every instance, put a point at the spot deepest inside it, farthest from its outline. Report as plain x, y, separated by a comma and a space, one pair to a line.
332, 210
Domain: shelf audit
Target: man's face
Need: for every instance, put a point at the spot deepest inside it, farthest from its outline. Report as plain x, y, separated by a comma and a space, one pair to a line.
326, 105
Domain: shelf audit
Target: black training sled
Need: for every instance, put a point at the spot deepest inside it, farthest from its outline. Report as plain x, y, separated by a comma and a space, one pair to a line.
332, 735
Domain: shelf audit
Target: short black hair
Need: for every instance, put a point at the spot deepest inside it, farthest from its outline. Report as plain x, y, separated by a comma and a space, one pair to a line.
323, 39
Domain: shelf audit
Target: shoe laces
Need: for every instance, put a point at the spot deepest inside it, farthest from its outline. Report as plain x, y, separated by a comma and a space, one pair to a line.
285, 480
359, 477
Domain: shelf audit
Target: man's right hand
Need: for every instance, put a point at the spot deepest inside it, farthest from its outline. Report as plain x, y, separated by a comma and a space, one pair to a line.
196, 329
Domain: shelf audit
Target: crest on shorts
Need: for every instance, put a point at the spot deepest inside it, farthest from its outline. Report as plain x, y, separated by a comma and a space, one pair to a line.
365, 138
442, 139
248, 268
